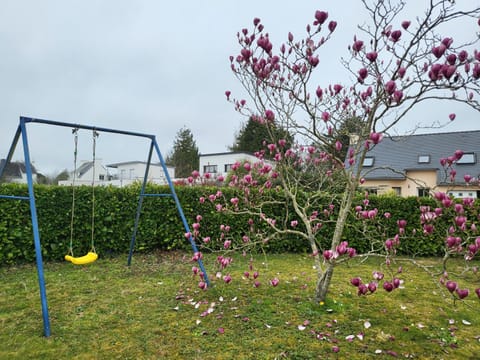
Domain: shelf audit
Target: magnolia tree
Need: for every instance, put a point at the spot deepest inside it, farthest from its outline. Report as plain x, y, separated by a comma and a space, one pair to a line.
396, 64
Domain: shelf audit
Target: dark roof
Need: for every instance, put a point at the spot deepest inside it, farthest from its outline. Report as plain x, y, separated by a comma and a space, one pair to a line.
401, 153
15, 169
82, 169
116, 165
228, 153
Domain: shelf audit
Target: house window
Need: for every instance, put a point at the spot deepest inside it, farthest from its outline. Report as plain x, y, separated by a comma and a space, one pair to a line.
467, 158
423, 192
423, 159
228, 167
368, 161
101, 177
372, 191
397, 190
211, 169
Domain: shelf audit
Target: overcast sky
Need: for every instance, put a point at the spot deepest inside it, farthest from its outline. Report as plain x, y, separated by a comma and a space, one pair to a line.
148, 66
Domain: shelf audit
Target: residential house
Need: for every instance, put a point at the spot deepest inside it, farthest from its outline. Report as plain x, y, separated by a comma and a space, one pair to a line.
134, 171
85, 173
16, 172
219, 164
411, 165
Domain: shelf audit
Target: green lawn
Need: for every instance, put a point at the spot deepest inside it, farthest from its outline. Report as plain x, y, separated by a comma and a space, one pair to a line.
155, 310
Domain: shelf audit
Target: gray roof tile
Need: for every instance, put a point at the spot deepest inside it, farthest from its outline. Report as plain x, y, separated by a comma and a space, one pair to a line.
401, 154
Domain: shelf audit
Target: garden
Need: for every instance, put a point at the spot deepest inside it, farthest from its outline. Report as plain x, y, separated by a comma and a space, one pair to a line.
154, 309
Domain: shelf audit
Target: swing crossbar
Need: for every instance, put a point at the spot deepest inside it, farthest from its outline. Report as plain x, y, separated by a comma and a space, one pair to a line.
82, 260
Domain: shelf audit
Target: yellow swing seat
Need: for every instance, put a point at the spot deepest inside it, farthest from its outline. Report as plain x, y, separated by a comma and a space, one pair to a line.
82, 260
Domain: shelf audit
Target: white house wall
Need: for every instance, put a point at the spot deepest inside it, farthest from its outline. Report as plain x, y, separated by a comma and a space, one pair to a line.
221, 162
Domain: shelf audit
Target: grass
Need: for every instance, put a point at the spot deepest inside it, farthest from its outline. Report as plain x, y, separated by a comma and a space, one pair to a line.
154, 309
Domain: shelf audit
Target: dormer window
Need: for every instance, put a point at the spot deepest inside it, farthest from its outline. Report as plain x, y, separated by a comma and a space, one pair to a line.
467, 158
368, 161
424, 159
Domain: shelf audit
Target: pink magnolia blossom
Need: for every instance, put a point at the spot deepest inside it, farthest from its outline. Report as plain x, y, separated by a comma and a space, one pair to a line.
439, 50
395, 35
390, 87
388, 286
321, 16
274, 282
357, 45
375, 137
372, 56
462, 293
356, 281
397, 96
269, 115
328, 254
462, 56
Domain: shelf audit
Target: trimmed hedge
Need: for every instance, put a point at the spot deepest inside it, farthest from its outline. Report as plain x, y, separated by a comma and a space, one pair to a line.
160, 226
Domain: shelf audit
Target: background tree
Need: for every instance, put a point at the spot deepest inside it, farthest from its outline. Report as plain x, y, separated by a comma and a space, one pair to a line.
185, 155
396, 64
253, 136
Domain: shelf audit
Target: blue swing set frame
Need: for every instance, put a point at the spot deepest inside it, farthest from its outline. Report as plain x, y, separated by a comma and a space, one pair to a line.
22, 131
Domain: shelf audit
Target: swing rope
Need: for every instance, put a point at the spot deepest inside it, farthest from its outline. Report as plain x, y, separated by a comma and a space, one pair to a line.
95, 135
75, 153
91, 255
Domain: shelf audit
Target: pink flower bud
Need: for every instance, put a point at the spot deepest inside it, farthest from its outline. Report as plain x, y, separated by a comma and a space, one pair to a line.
405, 24
332, 25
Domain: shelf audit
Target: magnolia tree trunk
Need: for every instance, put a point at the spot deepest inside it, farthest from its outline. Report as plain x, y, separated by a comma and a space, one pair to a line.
325, 276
